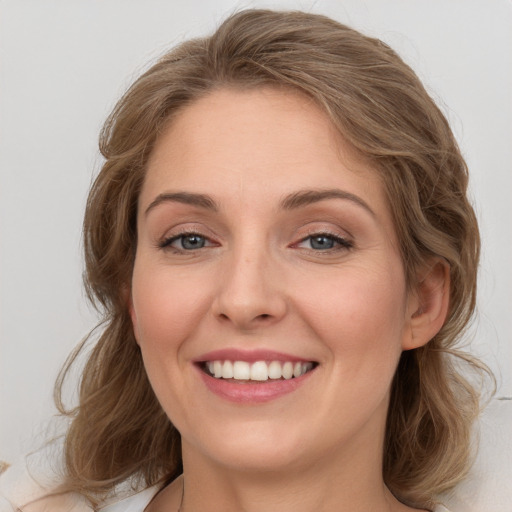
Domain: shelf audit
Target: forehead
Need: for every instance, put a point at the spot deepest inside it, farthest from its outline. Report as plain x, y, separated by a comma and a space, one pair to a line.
258, 143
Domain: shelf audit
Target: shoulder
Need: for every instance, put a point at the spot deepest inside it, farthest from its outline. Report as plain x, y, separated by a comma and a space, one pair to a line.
30, 485
19, 490
23, 487
58, 503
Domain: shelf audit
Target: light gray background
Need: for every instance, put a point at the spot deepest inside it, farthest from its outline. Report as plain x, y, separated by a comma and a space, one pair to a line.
64, 63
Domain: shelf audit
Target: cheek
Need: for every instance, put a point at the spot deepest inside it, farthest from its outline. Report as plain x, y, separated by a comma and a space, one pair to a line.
167, 307
360, 314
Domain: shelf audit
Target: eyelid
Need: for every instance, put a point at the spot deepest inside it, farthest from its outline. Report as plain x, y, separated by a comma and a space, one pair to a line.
344, 241
183, 231
167, 242
315, 229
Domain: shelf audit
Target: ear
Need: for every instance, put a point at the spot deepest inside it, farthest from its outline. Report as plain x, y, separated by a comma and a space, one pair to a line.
428, 304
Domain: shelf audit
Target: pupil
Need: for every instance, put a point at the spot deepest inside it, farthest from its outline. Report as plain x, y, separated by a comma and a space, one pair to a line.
322, 242
193, 242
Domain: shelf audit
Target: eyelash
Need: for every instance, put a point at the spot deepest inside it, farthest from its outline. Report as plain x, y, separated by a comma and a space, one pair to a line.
343, 243
167, 242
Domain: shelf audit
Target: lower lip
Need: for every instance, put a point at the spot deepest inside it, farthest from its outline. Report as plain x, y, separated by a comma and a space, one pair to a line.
249, 392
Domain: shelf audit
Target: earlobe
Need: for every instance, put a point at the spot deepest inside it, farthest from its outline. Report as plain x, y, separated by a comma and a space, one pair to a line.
428, 307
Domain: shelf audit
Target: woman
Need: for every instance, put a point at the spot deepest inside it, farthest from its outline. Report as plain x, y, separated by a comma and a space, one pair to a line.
283, 247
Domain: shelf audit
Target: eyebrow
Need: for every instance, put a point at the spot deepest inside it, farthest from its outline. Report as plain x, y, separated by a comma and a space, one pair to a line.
293, 201
303, 198
200, 200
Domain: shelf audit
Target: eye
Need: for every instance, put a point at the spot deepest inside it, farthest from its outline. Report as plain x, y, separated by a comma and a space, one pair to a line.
324, 242
186, 242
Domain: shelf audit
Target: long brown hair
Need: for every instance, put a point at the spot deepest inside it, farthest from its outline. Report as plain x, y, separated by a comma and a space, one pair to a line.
118, 430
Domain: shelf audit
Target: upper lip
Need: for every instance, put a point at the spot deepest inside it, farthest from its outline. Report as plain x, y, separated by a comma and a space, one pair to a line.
251, 356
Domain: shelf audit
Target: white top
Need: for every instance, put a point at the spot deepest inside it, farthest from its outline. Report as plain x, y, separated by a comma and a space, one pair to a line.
136, 503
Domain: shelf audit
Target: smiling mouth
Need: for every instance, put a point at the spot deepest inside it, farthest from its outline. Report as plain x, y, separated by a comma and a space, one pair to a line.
259, 371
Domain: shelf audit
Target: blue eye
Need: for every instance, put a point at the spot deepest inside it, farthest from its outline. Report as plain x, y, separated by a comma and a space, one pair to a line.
189, 242
321, 242
325, 242
185, 242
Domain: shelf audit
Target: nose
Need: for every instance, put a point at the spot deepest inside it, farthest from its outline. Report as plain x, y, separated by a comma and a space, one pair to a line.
251, 294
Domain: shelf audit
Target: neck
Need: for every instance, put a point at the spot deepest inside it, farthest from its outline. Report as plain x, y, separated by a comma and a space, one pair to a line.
323, 486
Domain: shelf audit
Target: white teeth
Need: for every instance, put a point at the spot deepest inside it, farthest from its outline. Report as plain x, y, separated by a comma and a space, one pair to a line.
227, 370
257, 371
241, 370
287, 370
217, 369
274, 370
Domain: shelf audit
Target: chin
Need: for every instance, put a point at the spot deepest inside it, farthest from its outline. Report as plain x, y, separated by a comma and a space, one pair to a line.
252, 448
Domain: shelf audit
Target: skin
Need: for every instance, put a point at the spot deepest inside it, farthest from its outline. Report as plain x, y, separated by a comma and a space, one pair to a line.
259, 283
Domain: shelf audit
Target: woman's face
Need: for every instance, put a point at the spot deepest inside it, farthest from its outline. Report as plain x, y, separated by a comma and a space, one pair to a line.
265, 250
